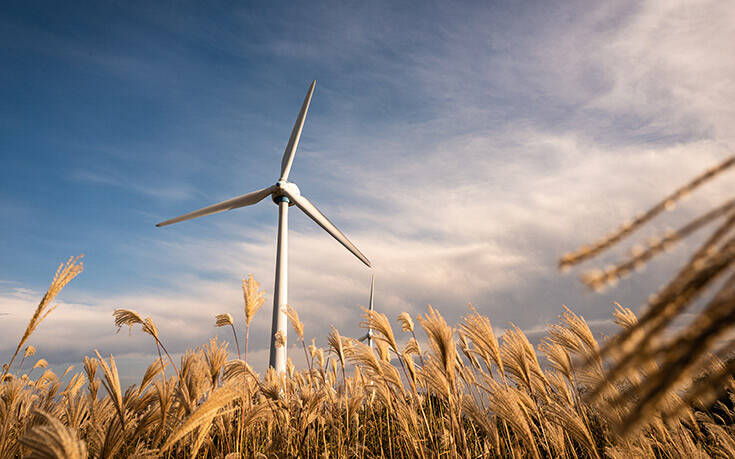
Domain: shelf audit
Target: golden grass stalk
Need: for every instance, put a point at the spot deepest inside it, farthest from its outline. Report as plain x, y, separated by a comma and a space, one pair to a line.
64, 274
479, 331
254, 299
520, 362
215, 355
337, 345
298, 326
222, 320
507, 403
379, 322
253, 296
53, 440
29, 351
406, 322
130, 318
588, 251
40, 363
441, 342
598, 280
237, 368
111, 383
573, 425
202, 417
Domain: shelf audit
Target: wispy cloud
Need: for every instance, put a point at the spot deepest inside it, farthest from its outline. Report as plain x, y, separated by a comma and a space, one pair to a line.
110, 179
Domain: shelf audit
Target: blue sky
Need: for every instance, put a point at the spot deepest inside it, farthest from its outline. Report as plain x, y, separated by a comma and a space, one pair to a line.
462, 147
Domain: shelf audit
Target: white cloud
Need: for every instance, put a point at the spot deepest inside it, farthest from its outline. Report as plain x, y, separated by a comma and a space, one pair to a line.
671, 65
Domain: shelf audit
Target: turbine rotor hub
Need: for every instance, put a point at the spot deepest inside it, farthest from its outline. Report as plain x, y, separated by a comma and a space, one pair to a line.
283, 190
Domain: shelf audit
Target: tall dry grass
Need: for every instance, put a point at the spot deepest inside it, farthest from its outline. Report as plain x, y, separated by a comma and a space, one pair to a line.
469, 394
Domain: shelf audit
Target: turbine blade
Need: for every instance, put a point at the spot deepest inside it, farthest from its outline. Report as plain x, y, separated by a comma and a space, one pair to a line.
364, 337
293, 141
240, 201
313, 213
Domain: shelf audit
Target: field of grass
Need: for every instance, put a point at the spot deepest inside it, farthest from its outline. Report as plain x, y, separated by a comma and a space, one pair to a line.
468, 394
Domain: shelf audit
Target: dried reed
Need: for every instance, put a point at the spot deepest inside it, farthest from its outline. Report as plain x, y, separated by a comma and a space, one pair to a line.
254, 299
671, 358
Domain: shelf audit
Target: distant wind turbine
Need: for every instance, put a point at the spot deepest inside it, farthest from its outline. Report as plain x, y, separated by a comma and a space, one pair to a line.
284, 194
369, 335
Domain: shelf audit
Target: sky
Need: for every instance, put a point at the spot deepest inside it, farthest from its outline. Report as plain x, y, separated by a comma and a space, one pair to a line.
462, 147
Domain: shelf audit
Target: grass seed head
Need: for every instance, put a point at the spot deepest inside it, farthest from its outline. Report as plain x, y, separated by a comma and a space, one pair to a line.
406, 322
280, 339
30, 350
253, 296
293, 317
222, 320
126, 317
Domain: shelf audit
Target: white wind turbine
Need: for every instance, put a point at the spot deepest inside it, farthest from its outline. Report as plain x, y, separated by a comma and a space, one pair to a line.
284, 194
369, 335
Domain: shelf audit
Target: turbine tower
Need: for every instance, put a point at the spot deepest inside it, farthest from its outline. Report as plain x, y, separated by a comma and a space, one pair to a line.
284, 195
369, 335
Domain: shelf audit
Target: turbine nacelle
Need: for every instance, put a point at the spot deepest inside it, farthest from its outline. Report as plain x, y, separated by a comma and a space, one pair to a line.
282, 188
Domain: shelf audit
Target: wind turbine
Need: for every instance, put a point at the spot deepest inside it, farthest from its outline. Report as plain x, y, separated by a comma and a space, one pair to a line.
369, 335
284, 195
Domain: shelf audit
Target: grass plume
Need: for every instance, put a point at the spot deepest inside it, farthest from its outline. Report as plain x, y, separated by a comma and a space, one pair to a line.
254, 299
